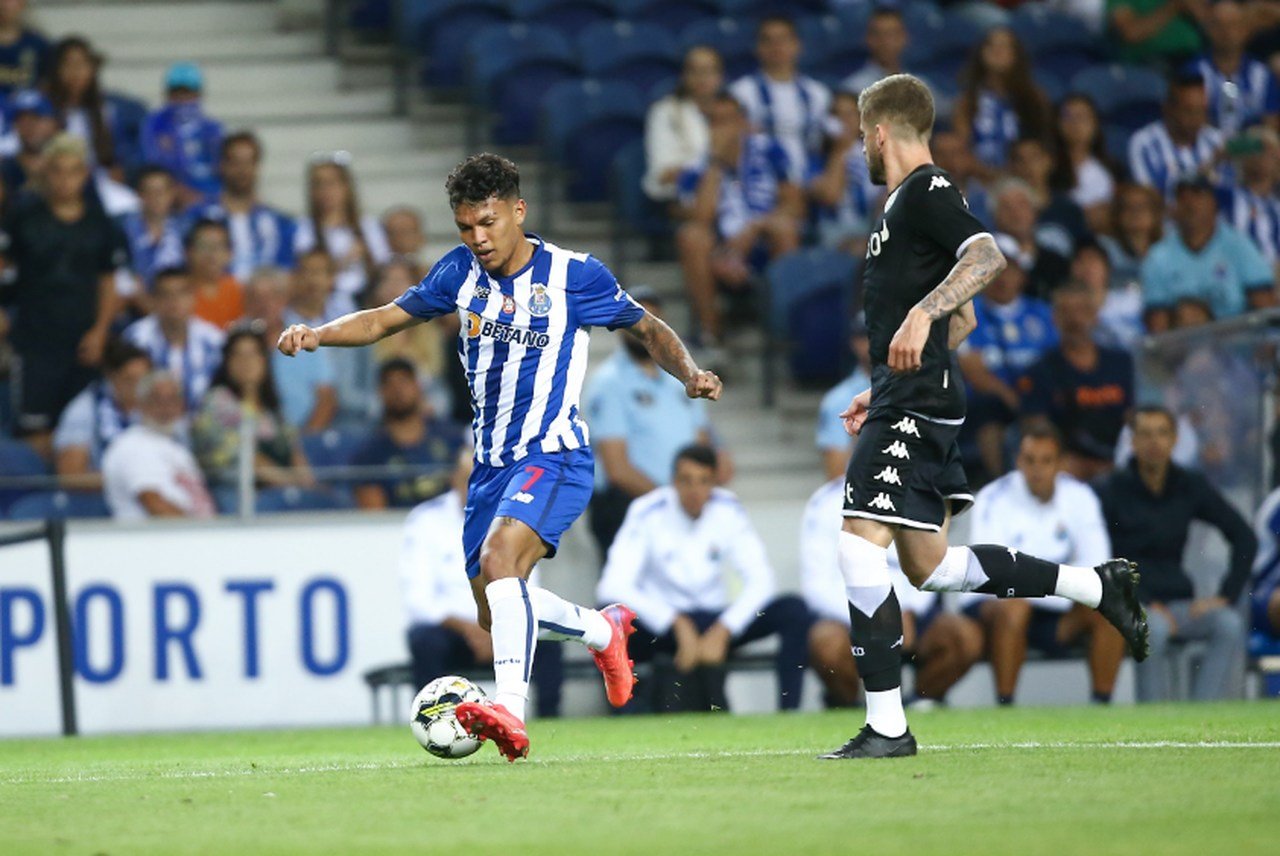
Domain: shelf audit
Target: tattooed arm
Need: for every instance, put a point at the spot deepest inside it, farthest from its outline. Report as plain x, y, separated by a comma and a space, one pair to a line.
673, 357
980, 263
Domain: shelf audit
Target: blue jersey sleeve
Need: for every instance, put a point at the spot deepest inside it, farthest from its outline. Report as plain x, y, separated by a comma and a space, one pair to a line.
598, 299
437, 294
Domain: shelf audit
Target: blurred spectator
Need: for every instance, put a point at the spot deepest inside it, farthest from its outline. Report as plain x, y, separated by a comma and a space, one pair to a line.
1242, 91
1039, 509
780, 102
1137, 221
1081, 169
443, 635
1082, 389
308, 397
1013, 332
1205, 261
840, 184
1264, 589
675, 130
260, 235
999, 101
743, 209
943, 645
76, 94
428, 346
97, 416
1016, 212
24, 51
666, 565
407, 238
1253, 206
148, 471
34, 124
1060, 222
181, 137
952, 154
1181, 145
834, 442
243, 389
416, 447
219, 296
334, 224
313, 302
61, 253
1149, 506
886, 39
187, 347
640, 419
1154, 30
1119, 305
154, 233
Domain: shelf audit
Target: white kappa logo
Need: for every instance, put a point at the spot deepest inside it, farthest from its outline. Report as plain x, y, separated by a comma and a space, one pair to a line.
882, 502
938, 181
898, 449
906, 425
889, 475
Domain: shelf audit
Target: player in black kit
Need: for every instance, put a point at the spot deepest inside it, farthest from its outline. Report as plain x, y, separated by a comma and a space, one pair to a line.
926, 259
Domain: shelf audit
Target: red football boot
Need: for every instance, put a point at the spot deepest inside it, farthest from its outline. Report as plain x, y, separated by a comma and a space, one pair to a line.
613, 661
494, 722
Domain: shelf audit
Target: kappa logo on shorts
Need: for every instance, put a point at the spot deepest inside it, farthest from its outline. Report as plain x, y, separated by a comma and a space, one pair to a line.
889, 475
906, 425
938, 181
882, 502
898, 449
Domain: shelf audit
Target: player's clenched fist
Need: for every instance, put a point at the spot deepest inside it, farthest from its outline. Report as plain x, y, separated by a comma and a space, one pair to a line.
298, 337
704, 384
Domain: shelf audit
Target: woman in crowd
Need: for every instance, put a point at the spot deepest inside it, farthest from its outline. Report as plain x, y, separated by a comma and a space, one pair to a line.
999, 101
334, 223
675, 131
76, 94
1082, 170
243, 388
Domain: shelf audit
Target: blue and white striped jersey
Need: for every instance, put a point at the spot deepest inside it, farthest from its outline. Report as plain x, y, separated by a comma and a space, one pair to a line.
523, 342
1156, 161
1240, 99
1266, 526
193, 362
1256, 216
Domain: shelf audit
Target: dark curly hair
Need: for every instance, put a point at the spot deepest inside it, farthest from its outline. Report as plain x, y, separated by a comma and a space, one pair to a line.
480, 177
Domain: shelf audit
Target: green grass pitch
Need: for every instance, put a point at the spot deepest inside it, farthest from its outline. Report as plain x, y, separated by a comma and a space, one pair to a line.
1177, 779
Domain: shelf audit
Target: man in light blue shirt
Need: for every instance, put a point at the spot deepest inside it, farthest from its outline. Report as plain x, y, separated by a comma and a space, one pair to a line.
640, 418
833, 441
1203, 261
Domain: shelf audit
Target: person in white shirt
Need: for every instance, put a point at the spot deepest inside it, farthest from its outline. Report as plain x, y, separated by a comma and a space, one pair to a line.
185, 346
98, 415
781, 102
1040, 509
443, 634
667, 563
675, 129
944, 645
147, 471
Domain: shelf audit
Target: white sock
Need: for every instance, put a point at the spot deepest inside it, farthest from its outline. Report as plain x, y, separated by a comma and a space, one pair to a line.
513, 630
865, 568
885, 714
1083, 585
560, 621
959, 570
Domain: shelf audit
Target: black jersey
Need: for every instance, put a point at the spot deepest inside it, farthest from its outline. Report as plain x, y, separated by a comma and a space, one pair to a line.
926, 223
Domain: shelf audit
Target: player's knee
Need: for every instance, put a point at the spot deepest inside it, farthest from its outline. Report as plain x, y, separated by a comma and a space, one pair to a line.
497, 562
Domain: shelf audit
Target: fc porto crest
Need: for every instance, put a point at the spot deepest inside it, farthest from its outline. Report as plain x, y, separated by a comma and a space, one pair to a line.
539, 301
508, 305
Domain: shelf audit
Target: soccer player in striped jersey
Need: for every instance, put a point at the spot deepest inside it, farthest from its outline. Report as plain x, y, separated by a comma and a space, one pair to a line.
526, 308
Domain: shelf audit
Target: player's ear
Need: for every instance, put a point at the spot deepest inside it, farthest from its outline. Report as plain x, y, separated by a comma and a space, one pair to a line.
519, 211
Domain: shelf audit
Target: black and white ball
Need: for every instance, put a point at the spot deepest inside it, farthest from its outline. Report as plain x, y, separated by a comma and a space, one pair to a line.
433, 723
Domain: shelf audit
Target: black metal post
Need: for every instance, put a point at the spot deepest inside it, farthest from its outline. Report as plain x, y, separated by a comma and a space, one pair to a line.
57, 534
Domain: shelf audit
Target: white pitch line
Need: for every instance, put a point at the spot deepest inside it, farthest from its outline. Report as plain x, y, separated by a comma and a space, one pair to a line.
180, 775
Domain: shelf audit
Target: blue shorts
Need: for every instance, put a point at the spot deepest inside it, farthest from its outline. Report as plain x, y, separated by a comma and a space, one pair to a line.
547, 491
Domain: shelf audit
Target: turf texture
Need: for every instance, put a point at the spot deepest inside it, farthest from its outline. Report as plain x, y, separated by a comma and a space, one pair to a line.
1162, 779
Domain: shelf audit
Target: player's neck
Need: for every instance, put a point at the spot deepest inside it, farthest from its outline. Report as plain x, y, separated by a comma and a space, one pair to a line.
523, 253
903, 159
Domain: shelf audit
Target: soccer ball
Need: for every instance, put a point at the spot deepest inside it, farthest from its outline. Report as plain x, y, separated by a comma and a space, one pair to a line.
433, 723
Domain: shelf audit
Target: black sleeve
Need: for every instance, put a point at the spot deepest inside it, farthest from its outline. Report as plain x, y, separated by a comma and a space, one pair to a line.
115, 253
1213, 508
942, 214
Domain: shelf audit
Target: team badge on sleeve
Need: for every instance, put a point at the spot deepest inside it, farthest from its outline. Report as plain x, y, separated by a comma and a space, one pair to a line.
539, 301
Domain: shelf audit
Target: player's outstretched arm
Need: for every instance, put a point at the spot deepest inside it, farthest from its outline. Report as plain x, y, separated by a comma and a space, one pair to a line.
979, 264
350, 331
669, 352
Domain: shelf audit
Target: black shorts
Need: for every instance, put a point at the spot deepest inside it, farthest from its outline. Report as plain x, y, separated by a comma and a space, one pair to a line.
904, 469
42, 385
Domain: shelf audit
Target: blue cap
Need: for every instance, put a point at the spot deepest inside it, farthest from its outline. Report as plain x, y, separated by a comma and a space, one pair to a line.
184, 75
30, 101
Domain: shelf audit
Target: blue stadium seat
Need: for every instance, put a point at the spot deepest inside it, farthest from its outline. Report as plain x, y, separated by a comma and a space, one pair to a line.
59, 504
1129, 96
631, 205
1042, 30
513, 65
1116, 143
756, 9
734, 39
585, 124
18, 460
822, 35
674, 16
446, 33
571, 17
810, 298
643, 54
334, 447
277, 500
853, 20
942, 43
1051, 84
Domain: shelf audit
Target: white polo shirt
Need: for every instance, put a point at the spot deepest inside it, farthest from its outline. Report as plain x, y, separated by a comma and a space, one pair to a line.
141, 459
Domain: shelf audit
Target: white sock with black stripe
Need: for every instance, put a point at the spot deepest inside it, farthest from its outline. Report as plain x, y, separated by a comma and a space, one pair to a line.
562, 621
514, 630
